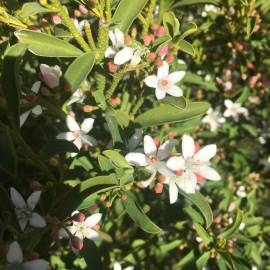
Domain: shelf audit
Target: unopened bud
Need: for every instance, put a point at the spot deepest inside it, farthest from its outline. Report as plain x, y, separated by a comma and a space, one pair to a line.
128, 40
87, 108
159, 63
44, 22
45, 91
78, 217
170, 58
102, 197
76, 243
157, 141
162, 179
163, 51
77, 13
112, 67
31, 97
83, 9
116, 101
160, 31
147, 39
56, 19
35, 185
151, 57
158, 188
124, 197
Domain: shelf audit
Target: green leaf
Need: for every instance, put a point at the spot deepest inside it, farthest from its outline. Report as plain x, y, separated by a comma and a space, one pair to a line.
231, 230
126, 12
194, 215
138, 216
171, 24
10, 78
186, 47
91, 255
117, 159
30, 9
104, 163
177, 102
96, 181
199, 201
79, 70
202, 233
202, 261
167, 113
113, 126
251, 24
8, 157
42, 44
195, 2
159, 42
122, 118
244, 96
58, 147
188, 29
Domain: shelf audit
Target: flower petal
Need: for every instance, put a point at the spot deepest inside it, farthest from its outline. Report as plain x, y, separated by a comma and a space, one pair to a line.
163, 71
149, 145
72, 124
227, 113
14, 254
165, 149
123, 56
87, 124
24, 116
112, 37
110, 52
36, 86
173, 192
69, 136
37, 110
208, 173
33, 199
39, 264
187, 182
22, 221
117, 266
119, 37
175, 91
17, 199
93, 220
89, 140
188, 146
147, 182
37, 221
160, 93
176, 76
176, 163
228, 103
206, 153
91, 234
129, 268
78, 143
137, 159
151, 81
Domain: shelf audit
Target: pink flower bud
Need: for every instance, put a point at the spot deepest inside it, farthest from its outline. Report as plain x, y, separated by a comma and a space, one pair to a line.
56, 19
35, 185
51, 75
151, 57
160, 31
78, 217
163, 51
197, 148
170, 58
147, 39
44, 22
158, 188
77, 13
116, 101
112, 67
127, 40
157, 141
159, 63
83, 9
200, 179
228, 86
76, 243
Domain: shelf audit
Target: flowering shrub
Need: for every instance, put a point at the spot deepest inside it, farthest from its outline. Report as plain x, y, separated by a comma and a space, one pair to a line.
114, 113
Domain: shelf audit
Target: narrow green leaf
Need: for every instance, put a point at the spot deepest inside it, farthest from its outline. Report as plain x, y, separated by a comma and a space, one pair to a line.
97, 181
231, 230
195, 2
188, 29
177, 102
251, 24
30, 9
113, 126
200, 202
8, 157
79, 70
202, 261
244, 96
10, 78
171, 24
126, 12
194, 215
167, 113
138, 216
122, 118
42, 44
202, 233
186, 47
117, 159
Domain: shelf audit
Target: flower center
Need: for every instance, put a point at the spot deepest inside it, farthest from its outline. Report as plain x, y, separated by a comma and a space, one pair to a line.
77, 134
152, 159
164, 83
24, 213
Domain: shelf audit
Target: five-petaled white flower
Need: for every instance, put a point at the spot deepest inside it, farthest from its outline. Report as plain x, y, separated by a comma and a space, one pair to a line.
117, 266
50, 75
15, 260
77, 97
36, 110
78, 134
85, 229
165, 83
191, 165
234, 110
213, 119
153, 158
119, 51
24, 210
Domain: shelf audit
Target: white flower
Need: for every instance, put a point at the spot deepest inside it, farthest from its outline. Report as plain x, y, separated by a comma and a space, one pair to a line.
119, 51
153, 157
189, 166
79, 25
234, 110
15, 260
117, 266
78, 134
85, 229
36, 110
77, 97
211, 8
213, 119
24, 210
51, 75
165, 83
241, 192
